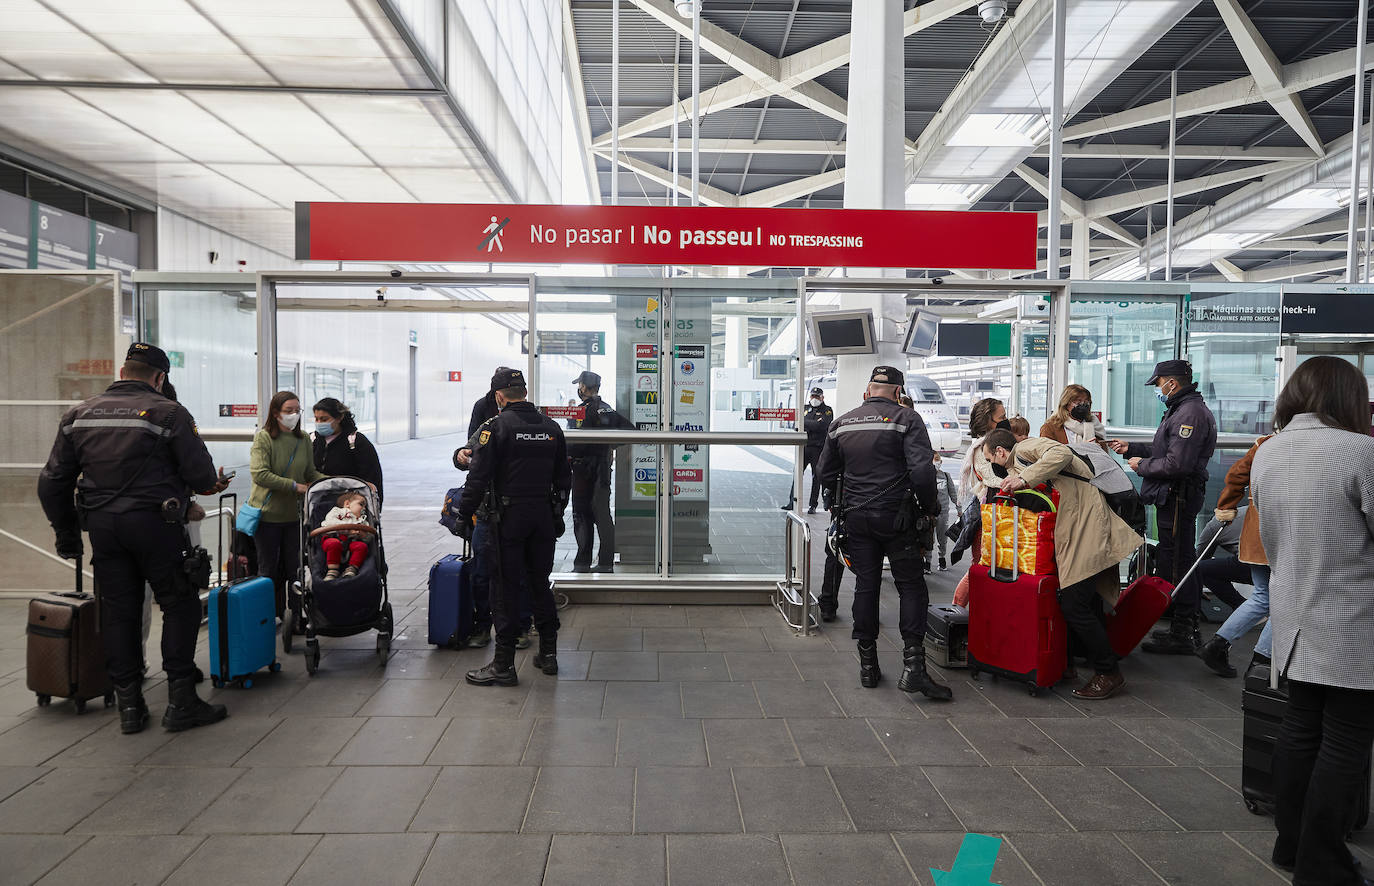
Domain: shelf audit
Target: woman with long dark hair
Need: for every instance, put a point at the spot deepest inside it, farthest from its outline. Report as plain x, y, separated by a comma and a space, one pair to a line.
1313, 483
282, 467
340, 450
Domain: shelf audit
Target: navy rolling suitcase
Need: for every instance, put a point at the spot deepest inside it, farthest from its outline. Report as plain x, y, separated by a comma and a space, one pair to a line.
450, 600
243, 631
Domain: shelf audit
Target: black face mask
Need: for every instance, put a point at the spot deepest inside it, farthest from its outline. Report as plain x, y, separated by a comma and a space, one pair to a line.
1081, 412
1004, 424
1000, 471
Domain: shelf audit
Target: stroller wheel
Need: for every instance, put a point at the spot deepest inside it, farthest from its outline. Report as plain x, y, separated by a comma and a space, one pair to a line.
312, 657
288, 624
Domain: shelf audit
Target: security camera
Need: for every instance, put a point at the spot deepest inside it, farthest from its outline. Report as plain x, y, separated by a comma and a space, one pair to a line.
938, 281
685, 8
381, 293
992, 11
395, 273
214, 257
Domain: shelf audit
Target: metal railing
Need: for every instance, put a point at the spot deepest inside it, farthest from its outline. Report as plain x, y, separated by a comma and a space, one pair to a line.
793, 597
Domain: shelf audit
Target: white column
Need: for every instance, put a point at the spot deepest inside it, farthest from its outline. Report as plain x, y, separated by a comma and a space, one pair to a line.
1056, 143
1079, 258
615, 103
875, 167
1352, 244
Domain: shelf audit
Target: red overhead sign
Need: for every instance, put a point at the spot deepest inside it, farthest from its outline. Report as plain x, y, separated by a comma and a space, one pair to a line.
769, 413
665, 235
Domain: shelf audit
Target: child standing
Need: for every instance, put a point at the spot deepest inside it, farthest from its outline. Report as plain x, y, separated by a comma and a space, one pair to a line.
346, 523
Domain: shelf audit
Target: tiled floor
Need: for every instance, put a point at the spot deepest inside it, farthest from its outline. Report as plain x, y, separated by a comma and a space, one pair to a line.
678, 744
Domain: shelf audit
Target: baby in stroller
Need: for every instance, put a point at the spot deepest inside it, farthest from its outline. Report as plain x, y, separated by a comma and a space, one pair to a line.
346, 524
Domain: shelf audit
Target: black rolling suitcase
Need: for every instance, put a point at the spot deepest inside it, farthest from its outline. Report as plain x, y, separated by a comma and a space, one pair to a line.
1264, 708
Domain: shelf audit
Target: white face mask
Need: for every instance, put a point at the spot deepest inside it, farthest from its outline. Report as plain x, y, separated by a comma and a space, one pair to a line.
815, 401
288, 422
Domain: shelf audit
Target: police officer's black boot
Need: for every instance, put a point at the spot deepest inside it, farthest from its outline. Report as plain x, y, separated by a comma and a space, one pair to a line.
185, 709
1216, 655
546, 659
915, 678
133, 711
869, 672
1182, 638
500, 671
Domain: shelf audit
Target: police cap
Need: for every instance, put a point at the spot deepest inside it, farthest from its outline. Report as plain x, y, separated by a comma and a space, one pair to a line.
588, 379
142, 352
887, 375
506, 377
817, 391
1171, 369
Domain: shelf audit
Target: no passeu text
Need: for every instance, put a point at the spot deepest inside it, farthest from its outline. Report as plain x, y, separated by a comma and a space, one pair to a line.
645, 234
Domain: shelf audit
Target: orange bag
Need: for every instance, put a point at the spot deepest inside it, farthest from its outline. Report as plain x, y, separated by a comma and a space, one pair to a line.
1025, 533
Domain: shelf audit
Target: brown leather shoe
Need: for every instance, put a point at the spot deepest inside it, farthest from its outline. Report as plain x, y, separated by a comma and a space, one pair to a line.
1100, 686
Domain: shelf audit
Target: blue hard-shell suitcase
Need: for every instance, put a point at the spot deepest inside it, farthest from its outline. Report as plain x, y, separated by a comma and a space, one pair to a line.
243, 631
450, 601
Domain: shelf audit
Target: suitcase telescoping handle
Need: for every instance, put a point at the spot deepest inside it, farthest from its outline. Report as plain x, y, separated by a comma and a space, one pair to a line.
1010, 499
1202, 555
233, 499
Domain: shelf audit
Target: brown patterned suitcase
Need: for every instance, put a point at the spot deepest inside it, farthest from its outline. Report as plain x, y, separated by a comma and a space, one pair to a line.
65, 657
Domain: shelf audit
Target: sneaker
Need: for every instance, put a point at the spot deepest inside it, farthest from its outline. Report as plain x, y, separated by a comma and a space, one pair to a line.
523, 641
331, 574
350, 572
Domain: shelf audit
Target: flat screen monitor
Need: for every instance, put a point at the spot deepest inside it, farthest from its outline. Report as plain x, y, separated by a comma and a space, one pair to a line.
920, 334
772, 367
842, 332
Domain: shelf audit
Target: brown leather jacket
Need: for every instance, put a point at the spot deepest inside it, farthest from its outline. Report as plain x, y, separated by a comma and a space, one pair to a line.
1237, 490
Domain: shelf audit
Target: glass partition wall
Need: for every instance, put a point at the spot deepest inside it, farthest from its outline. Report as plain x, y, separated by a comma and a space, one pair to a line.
680, 359
61, 341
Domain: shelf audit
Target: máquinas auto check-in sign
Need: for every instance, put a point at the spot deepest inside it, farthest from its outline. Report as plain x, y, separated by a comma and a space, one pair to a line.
532, 234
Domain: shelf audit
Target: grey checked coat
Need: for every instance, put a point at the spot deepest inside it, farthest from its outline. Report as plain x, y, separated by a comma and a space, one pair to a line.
1313, 486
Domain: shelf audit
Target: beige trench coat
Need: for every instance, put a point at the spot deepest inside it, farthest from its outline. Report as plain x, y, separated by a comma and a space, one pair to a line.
1088, 536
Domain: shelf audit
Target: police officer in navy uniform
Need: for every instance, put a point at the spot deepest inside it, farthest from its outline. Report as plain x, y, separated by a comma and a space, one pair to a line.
591, 483
878, 472
816, 422
1173, 469
519, 483
122, 466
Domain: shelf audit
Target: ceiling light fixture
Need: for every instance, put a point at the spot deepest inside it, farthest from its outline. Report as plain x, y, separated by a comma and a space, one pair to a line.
992, 11
688, 8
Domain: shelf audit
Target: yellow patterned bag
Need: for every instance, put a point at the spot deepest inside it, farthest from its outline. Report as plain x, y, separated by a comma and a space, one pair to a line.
1025, 532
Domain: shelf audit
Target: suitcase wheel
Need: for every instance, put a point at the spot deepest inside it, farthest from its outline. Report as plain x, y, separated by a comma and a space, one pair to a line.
247, 683
109, 699
216, 682
44, 700
80, 705
1034, 691
1253, 807
274, 667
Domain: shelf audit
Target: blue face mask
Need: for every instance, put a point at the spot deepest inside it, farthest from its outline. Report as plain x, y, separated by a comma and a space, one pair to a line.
324, 429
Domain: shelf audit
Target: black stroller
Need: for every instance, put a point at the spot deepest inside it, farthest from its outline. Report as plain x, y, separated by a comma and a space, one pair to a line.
345, 606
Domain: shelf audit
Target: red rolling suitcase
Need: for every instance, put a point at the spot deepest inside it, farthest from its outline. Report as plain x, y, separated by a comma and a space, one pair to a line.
1015, 628
1142, 604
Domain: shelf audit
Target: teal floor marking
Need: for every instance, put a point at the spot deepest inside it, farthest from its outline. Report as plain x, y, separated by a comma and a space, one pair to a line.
973, 865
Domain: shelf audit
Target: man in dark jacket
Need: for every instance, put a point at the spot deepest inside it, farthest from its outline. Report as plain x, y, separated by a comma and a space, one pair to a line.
1173, 471
591, 473
518, 485
876, 466
483, 409
816, 423
124, 463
